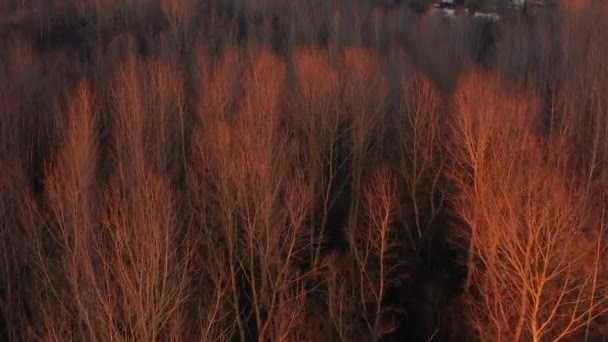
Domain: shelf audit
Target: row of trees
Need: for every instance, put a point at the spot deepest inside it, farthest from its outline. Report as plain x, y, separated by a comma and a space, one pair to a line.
327, 193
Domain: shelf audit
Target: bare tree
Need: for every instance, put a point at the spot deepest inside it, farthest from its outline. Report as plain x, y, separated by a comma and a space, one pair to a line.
357, 282
320, 125
263, 206
419, 143
70, 194
527, 238
374, 245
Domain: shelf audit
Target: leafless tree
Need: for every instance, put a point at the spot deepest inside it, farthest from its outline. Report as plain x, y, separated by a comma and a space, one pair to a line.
527, 238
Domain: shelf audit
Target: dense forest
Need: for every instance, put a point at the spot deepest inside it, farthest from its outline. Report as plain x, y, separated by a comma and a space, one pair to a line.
314, 170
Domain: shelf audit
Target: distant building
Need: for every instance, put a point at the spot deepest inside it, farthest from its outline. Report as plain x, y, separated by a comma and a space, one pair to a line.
452, 8
457, 8
453, 4
448, 3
